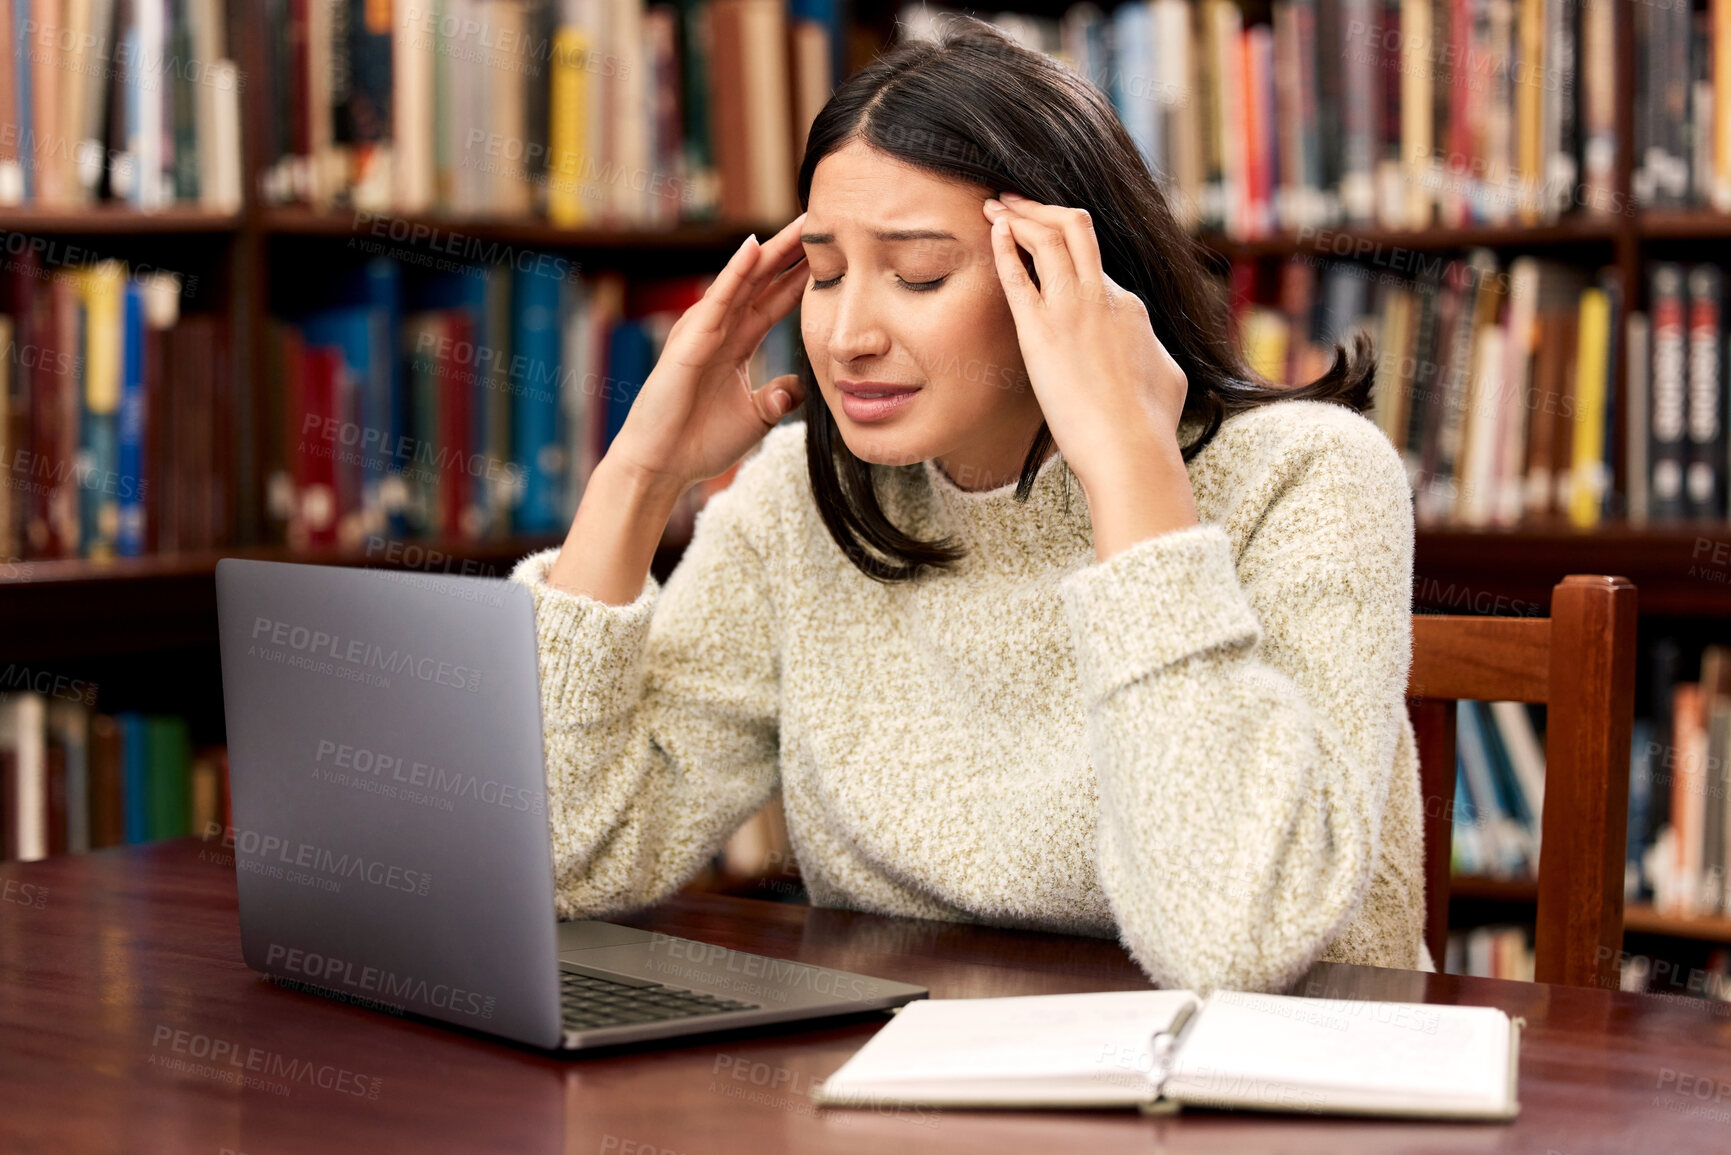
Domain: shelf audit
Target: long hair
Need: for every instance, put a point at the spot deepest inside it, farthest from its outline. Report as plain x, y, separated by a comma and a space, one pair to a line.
972, 104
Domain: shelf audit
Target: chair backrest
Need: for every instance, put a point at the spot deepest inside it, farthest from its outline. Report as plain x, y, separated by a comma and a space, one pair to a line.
1580, 662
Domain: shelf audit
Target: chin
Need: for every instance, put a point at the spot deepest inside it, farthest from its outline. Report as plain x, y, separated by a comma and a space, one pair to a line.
882, 446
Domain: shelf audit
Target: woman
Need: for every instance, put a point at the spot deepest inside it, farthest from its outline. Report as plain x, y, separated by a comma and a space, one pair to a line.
1047, 615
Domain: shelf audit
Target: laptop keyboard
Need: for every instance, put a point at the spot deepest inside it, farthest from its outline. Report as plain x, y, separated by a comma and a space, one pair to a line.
589, 1003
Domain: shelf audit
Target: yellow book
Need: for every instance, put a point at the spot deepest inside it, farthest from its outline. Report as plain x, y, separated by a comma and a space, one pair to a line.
568, 128
1416, 117
1587, 461
103, 288
1265, 342
1529, 108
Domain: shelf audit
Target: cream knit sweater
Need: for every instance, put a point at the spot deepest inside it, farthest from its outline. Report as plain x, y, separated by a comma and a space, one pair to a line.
1198, 747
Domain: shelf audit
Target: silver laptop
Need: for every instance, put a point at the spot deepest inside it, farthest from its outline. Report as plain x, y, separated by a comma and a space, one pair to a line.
391, 839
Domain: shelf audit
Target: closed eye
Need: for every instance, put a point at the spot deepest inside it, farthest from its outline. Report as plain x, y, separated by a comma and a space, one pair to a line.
911, 286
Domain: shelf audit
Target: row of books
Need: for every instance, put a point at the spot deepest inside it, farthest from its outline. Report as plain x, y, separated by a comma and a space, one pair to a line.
585, 111
1680, 788
115, 414
104, 100
1492, 952
1678, 370
73, 780
1496, 384
464, 405
1405, 113
1680, 157
1499, 790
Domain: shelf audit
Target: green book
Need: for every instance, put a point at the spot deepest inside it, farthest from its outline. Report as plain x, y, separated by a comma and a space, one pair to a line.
169, 778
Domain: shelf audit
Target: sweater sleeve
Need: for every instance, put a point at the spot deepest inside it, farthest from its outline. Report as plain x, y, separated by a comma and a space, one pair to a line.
660, 717
1243, 720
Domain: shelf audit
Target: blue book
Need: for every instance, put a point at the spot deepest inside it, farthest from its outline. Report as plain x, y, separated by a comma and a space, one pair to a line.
361, 441
135, 808
828, 14
629, 359
535, 445
1641, 747
132, 432
1465, 849
379, 289
22, 27
1134, 89
1509, 793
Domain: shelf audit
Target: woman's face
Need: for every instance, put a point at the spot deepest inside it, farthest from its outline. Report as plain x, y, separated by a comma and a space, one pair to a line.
904, 292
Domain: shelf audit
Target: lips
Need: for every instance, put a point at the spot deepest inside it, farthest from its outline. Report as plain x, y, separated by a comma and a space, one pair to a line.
870, 401
873, 388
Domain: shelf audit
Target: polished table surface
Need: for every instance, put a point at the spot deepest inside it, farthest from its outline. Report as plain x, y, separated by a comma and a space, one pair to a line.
118, 969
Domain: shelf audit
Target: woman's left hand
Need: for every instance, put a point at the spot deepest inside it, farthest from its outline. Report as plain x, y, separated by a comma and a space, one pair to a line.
1110, 392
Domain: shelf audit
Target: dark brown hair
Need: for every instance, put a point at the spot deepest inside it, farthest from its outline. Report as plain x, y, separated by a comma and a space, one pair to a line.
976, 106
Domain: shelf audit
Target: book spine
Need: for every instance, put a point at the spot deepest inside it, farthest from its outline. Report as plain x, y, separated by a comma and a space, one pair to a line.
1669, 383
1704, 403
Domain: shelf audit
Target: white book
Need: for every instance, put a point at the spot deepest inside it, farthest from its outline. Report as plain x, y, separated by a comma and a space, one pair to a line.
1484, 406
412, 103
1160, 1050
24, 727
223, 191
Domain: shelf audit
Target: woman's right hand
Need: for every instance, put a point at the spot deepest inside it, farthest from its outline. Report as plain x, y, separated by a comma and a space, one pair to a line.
697, 413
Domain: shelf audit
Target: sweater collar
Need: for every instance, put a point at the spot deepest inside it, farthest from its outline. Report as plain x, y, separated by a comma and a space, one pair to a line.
1052, 528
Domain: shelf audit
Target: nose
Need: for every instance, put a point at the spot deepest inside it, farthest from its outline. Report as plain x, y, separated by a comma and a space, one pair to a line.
856, 331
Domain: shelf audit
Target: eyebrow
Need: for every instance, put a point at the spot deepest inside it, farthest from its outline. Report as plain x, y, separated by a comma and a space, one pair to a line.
889, 235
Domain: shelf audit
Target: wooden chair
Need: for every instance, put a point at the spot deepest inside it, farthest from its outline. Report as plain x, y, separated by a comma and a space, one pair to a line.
1580, 662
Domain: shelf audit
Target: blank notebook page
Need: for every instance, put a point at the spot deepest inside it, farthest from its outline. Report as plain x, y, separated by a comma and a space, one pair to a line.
1088, 1045
1343, 1055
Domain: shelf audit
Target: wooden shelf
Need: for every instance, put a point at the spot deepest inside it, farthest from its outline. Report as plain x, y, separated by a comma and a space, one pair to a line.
1672, 566
413, 229
1683, 224
1705, 928
77, 608
1637, 918
113, 220
74, 607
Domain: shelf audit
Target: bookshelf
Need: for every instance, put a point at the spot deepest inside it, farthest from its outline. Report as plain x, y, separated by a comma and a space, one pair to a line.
144, 618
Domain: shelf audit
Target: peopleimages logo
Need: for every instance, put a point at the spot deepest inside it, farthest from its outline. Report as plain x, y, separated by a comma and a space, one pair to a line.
362, 655
378, 765
328, 970
267, 850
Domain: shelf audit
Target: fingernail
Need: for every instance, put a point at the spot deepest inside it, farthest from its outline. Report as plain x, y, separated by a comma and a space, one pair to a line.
994, 204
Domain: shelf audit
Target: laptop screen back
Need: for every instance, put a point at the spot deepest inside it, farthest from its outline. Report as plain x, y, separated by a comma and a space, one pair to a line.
390, 819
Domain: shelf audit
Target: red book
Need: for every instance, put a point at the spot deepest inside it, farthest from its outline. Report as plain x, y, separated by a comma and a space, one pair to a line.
456, 516
315, 473
665, 295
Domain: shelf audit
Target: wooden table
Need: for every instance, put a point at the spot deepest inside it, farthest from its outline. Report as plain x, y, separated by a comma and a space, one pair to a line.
121, 980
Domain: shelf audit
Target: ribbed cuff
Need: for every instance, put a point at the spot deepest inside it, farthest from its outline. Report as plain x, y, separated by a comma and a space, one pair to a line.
591, 652
1156, 603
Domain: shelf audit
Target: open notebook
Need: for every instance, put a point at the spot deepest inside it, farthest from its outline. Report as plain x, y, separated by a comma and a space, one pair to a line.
1161, 1049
